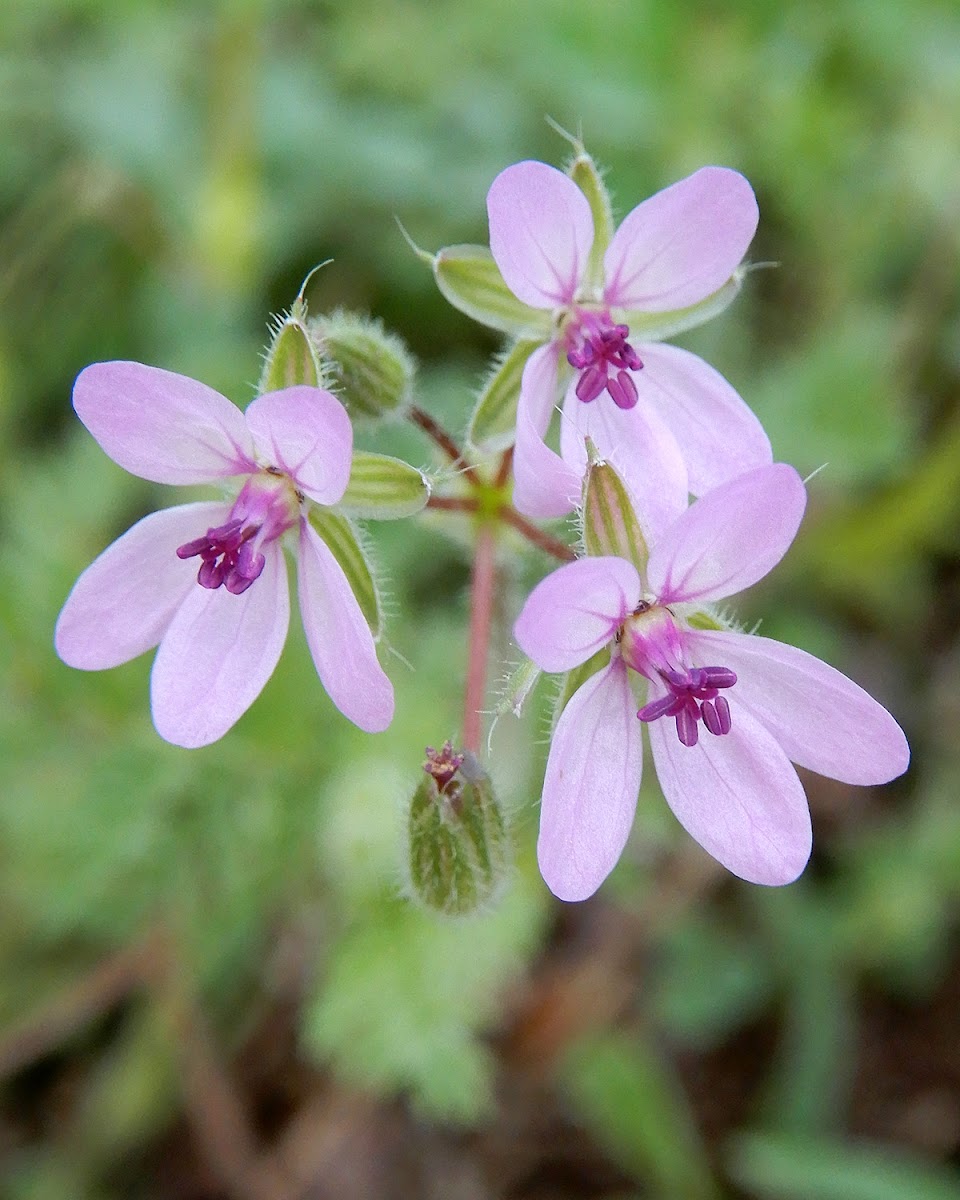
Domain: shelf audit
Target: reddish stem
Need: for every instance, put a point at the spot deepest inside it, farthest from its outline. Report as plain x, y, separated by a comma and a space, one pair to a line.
481, 617
452, 503
539, 537
503, 470
435, 431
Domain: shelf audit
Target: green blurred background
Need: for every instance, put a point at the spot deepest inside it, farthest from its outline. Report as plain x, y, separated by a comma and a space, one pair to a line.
210, 985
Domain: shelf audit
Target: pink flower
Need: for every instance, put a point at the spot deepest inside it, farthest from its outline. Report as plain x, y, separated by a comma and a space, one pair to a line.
666, 420
727, 712
220, 628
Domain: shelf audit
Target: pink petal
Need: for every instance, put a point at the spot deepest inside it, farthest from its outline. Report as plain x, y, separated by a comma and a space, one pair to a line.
822, 719
729, 538
339, 637
539, 387
591, 785
541, 231
125, 599
718, 434
683, 243
305, 431
737, 795
544, 485
162, 426
218, 654
576, 610
639, 445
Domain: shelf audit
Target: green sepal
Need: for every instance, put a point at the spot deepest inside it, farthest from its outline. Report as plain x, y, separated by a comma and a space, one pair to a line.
575, 679
458, 845
384, 488
344, 544
610, 524
370, 370
493, 424
292, 359
516, 688
583, 171
655, 326
470, 279
701, 619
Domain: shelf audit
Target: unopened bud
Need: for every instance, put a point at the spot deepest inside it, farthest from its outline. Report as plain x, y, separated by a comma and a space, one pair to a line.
371, 370
292, 359
610, 524
458, 842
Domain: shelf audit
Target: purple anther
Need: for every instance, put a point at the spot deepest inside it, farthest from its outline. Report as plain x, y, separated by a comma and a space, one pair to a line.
600, 350
590, 384
693, 696
687, 725
227, 557
622, 389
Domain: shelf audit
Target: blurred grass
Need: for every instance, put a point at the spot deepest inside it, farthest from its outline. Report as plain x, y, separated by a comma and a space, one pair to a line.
170, 173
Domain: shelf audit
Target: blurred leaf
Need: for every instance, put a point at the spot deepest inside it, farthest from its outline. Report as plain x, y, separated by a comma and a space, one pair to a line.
633, 1104
404, 996
783, 1168
710, 980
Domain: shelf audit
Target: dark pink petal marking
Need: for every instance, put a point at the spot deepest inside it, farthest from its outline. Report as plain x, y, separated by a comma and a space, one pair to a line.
693, 696
600, 351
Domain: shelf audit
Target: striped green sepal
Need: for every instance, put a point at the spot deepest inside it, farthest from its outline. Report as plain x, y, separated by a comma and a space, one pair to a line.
470, 279
493, 424
384, 488
654, 327
583, 171
610, 524
292, 359
344, 544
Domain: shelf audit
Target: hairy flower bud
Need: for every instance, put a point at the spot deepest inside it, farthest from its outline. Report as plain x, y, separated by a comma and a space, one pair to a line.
292, 358
458, 847
371, 370
610, 525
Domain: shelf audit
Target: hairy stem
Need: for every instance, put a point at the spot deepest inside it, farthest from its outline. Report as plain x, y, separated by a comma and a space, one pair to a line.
481, 615
539, 537
439, 436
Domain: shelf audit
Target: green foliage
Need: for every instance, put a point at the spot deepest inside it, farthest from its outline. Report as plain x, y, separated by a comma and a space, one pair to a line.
403, 999
630, 1099
170, 173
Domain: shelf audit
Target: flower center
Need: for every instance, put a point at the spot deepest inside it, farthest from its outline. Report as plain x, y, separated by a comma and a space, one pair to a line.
599, 350
652, 645
231, 553
693, 696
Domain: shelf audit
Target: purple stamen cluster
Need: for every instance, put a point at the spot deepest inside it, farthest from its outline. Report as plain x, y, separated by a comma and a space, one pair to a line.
443, 764
228, 556
605, 359
692, 697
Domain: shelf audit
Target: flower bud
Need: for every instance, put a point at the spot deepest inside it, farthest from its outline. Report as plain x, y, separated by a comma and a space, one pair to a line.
458, 848
370, 370
610, 523
291, 359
